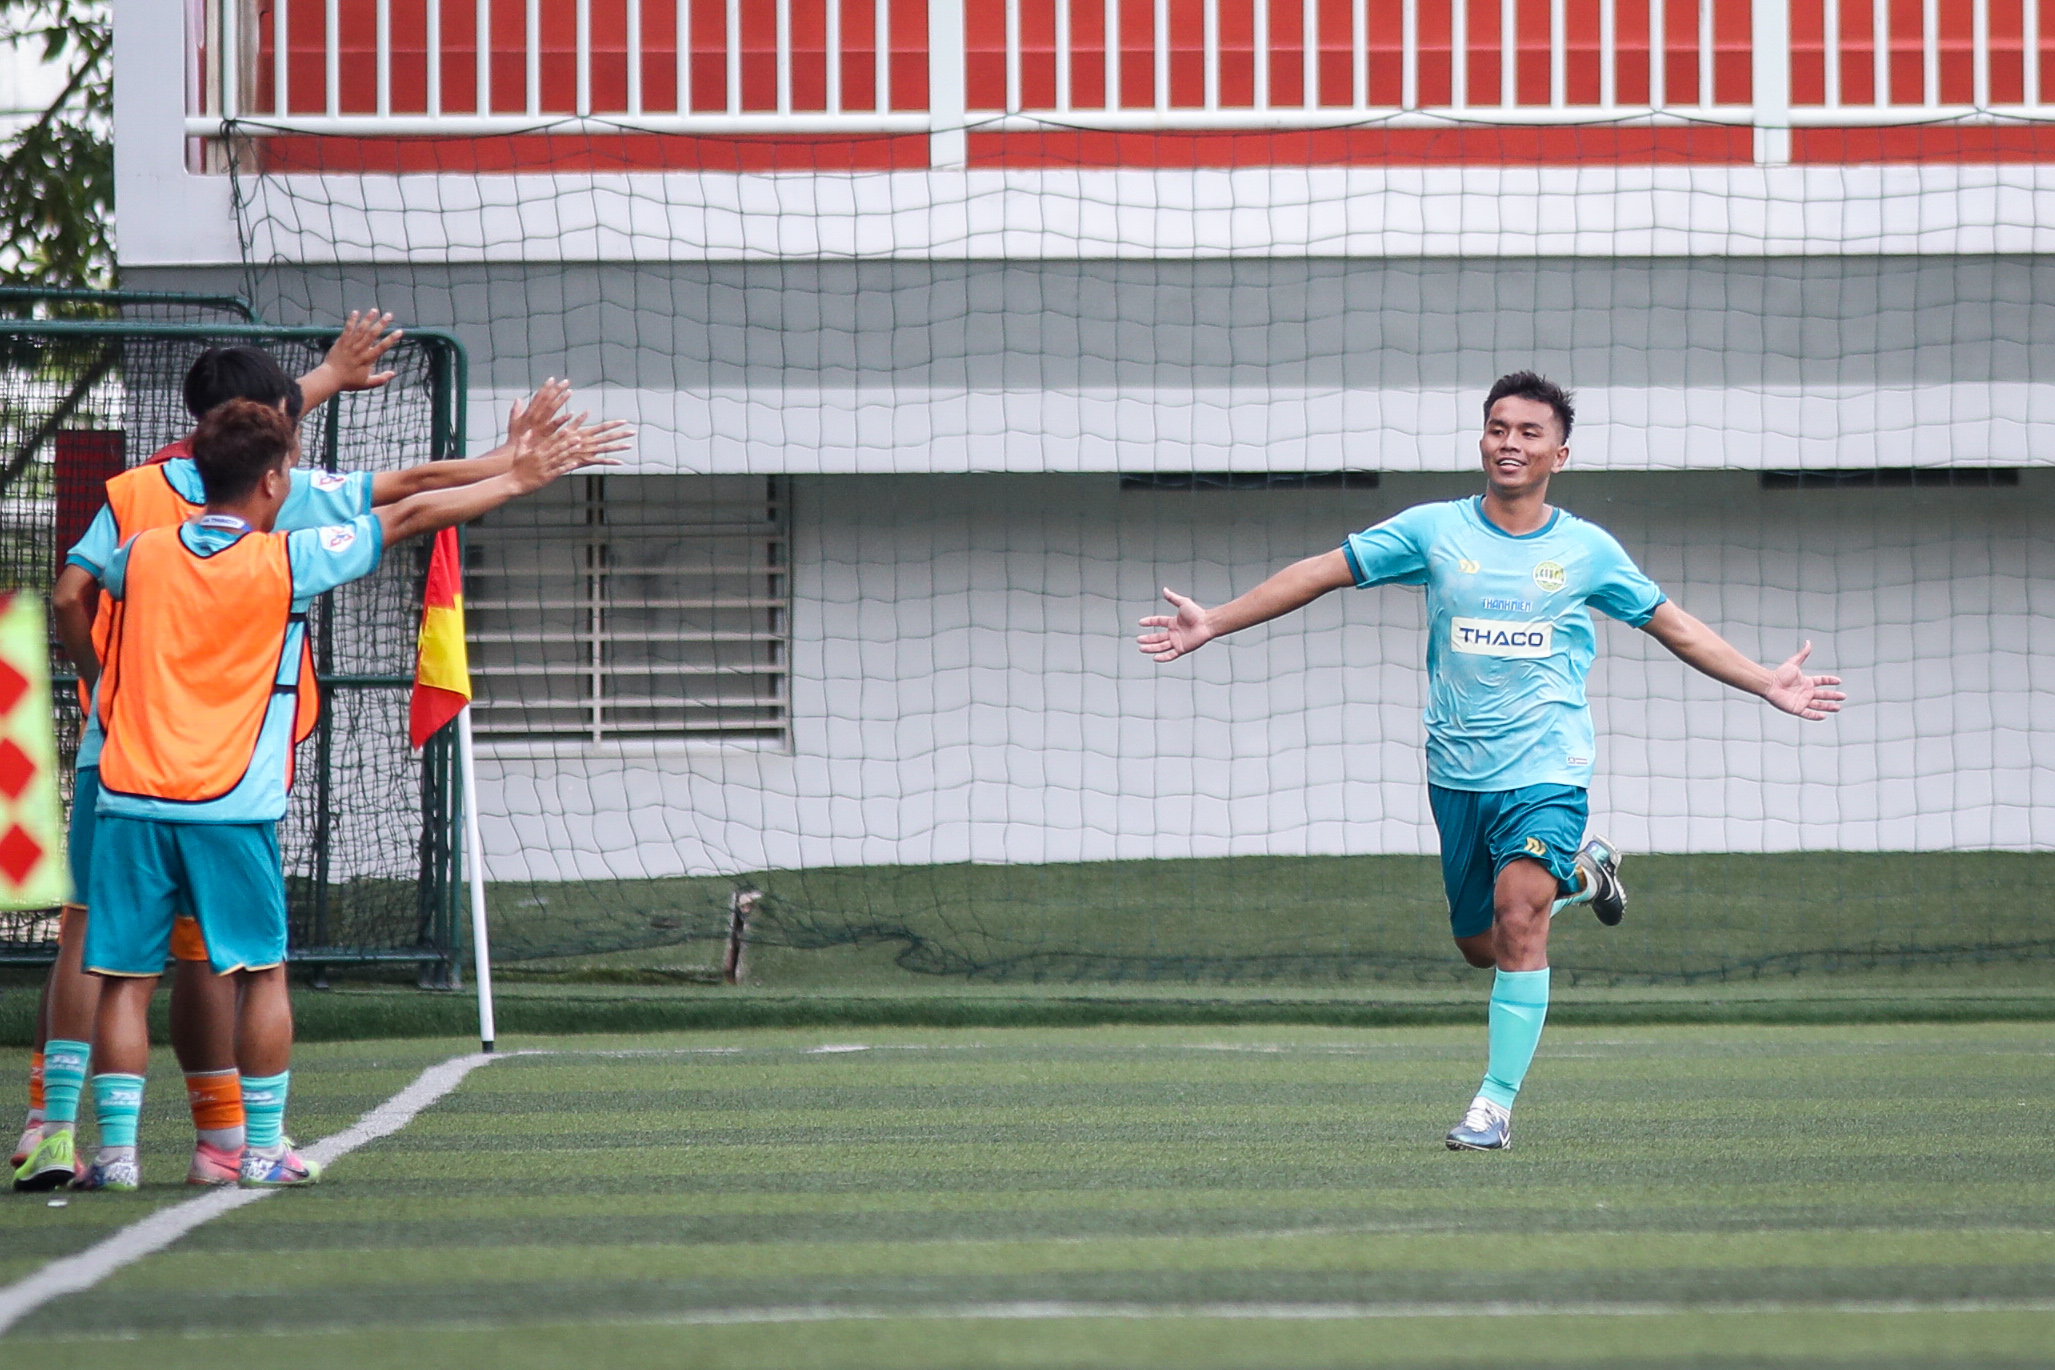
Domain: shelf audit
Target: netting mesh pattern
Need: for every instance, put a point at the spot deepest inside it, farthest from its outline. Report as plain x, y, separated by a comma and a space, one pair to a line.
901, 494
79, 407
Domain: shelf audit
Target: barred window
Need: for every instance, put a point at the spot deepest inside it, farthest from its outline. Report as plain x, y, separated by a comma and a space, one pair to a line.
631, 607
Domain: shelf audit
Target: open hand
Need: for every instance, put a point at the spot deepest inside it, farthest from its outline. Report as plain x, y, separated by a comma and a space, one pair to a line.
1795, 692
541, 413
1178, 634
604, 438
538, 460
361, 345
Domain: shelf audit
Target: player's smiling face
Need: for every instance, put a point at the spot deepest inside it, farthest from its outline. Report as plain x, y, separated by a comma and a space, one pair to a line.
1522, 445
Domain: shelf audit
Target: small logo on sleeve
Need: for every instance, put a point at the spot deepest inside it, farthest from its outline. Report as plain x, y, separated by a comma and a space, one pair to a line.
330, 480
1550, 576
1536, 847
1497, 637
339, 538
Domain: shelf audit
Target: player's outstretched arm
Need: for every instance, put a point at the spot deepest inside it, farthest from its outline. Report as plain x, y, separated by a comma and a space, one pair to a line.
536, 462
539, 416
1171, 636
351, 360
1785, 687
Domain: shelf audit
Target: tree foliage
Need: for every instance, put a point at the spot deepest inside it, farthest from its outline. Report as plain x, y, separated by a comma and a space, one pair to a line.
57, 174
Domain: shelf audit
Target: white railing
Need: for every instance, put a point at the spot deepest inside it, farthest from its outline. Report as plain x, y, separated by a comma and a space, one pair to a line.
273, 94
297, 68
1322, 102
1888, 105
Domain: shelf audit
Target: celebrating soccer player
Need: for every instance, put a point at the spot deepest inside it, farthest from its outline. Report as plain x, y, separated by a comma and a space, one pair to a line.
1509, 734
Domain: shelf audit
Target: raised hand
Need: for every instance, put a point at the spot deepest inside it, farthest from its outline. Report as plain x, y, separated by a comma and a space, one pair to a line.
360, 346
606, 437
1807, 696
538, 460
1178, 634
541, 413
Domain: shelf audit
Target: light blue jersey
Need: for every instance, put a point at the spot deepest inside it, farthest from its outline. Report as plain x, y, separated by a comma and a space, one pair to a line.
316, 498
1510, 640
321, 559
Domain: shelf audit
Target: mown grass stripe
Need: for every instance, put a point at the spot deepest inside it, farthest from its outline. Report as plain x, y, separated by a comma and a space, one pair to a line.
1042, 1311
75, 1274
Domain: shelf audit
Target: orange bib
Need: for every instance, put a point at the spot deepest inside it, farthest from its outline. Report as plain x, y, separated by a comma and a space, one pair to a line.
196, 653
139, 498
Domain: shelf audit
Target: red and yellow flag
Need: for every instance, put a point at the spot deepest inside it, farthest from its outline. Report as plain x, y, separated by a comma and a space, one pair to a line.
442, 669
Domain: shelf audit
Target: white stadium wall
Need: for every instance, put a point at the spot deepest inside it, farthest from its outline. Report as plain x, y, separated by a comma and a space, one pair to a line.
1282, 364
964, 685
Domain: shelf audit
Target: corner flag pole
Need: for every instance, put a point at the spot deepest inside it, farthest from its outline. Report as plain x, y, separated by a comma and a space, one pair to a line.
474, 867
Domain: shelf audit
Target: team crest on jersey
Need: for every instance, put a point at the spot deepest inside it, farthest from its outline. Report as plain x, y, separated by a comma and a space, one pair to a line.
1550, 576
1536, 847
1500, 637
338, 539
1468, 567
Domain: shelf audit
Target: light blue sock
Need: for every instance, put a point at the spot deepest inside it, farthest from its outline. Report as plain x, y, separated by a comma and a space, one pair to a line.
264, 1109
117, 1103
1519, 1006
64, 1077
1585, 888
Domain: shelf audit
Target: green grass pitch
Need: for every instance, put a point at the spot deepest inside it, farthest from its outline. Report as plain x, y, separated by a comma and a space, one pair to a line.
1873, 1195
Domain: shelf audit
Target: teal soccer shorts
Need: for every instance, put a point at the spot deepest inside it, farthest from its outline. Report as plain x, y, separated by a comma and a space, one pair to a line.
1484, 830
145, 871
78, 841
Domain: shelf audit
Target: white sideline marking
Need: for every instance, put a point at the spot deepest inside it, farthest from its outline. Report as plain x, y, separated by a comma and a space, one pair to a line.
80, 1272
1049, 1311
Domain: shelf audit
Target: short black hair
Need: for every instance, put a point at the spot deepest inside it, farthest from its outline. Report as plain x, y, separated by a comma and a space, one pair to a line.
221, 374
236, 443
1532, 385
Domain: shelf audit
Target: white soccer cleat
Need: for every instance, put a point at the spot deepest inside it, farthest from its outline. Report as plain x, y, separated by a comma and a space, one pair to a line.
1485, 1127
277, 1169
122, 1175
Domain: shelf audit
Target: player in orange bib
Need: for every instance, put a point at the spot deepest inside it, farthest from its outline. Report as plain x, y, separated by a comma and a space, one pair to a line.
208, 684
167, 490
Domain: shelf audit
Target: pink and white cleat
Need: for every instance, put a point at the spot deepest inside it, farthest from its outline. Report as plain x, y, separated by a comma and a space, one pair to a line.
212, 1166
277, 1169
